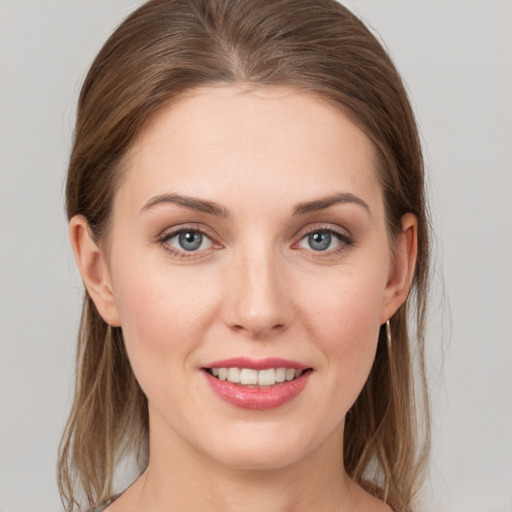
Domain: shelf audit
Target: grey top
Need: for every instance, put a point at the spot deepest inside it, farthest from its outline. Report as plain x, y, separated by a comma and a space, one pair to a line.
103, 506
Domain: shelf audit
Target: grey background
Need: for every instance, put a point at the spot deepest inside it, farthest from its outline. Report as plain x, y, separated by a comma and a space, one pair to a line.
456, 58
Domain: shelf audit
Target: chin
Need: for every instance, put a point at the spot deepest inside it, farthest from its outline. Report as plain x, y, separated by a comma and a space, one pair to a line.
258, 450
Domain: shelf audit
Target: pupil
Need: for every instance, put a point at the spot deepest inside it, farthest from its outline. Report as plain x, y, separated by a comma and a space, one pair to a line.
190, 241
319, 241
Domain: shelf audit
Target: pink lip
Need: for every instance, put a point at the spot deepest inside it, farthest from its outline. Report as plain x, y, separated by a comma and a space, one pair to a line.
255, 397
256, 364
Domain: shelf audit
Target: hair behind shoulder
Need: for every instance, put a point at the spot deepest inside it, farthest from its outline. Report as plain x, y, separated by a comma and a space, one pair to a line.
165, 48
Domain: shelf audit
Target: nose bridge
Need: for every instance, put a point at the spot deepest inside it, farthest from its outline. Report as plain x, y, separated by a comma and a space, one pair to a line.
257, 300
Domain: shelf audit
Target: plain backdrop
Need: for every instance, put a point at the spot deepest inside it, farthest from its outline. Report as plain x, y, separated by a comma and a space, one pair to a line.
456, 59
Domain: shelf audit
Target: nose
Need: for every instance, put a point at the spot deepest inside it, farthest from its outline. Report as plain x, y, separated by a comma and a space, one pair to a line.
257, 303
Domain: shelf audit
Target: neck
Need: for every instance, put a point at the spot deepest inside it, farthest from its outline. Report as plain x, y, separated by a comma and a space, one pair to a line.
180, 478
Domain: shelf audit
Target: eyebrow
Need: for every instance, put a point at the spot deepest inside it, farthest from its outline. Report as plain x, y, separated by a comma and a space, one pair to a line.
326, 202
216, 209
201, 205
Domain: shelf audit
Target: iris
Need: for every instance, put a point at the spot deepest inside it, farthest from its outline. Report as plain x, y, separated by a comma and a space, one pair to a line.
190, 240
319, 240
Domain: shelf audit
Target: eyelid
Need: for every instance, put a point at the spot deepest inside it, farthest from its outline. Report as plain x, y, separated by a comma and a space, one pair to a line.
343, 235
170, 233
332, 228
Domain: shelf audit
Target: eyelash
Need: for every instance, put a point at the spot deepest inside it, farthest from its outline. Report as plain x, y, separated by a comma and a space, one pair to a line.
345, 239
182, 254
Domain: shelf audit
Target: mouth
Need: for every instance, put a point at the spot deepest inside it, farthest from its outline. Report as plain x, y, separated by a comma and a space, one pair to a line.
262, 385
250, 377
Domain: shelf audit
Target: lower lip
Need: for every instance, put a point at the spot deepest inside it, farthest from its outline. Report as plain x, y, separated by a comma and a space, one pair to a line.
258, 398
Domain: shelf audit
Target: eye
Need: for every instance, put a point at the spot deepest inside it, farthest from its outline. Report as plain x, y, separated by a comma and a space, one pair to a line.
186, 240
319, 240
324, 240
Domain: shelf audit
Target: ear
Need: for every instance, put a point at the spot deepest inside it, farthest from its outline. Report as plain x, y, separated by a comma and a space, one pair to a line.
93, 267
402, 267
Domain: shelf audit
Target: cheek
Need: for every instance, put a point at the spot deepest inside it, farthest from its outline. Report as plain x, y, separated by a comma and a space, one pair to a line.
345, 301
344, 321
162, 315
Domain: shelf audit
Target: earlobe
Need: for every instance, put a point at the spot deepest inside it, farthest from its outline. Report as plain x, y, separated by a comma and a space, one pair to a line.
402, 266
91, 262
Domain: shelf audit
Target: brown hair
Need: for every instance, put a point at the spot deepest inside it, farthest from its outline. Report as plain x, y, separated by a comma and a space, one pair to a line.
165, 48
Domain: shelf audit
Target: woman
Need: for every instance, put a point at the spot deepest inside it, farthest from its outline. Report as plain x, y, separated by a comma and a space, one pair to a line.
246, 206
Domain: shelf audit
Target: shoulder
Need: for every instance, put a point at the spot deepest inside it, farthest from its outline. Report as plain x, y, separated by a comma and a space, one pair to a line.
104, 505
379, 493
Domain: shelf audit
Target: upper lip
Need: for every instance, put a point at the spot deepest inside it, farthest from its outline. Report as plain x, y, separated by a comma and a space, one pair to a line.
256, 364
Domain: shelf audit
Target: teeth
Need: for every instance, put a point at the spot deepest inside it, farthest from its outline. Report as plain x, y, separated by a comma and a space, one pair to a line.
290, 374
267, 377
251, 377
248, 376
280, 374
234, 375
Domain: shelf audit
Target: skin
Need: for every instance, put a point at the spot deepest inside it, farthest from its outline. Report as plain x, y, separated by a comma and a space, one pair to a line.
256, 288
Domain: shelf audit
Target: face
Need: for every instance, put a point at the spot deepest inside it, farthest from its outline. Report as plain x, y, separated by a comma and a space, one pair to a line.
249, 232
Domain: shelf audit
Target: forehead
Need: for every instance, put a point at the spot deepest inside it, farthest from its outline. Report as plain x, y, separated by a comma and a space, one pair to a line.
236, 142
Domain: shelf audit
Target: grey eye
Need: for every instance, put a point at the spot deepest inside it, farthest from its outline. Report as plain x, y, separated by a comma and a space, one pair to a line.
190, 240
319, 240
186, 242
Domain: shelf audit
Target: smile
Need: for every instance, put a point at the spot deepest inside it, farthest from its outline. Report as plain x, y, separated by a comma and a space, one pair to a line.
257, 385
252, 377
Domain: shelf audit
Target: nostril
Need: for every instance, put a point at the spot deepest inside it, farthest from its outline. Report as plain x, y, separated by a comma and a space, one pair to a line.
258, 329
